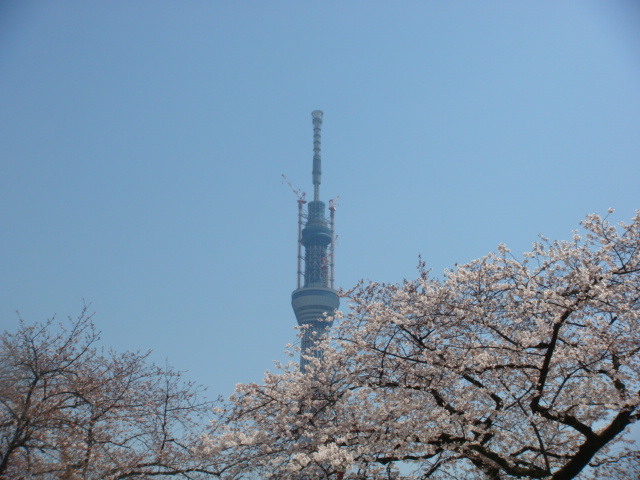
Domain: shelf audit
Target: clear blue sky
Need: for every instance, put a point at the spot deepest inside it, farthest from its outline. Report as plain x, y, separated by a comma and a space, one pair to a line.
142, 143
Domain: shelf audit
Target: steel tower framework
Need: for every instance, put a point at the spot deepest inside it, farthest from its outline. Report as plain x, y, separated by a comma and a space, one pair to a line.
315, 301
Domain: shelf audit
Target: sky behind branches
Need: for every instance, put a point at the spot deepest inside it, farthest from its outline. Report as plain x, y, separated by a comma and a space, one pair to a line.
142, 146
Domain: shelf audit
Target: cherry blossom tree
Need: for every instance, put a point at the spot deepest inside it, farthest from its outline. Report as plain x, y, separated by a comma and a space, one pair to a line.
71, 411
504, 368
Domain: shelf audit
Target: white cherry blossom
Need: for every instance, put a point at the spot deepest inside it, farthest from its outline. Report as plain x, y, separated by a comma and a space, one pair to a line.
505, 368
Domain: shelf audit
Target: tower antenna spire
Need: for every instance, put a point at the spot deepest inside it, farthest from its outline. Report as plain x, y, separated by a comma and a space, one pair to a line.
316, 115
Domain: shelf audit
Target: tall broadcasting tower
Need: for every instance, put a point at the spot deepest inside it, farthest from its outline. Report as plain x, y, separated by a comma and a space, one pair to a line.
314, 299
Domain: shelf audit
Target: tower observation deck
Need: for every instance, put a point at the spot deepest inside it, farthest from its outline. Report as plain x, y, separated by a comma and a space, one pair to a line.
315, 300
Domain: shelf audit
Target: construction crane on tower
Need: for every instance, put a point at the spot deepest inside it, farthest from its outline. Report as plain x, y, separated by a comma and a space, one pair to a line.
300, 194
301, 201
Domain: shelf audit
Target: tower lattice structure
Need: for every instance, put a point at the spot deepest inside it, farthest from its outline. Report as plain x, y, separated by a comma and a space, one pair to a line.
315, 300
